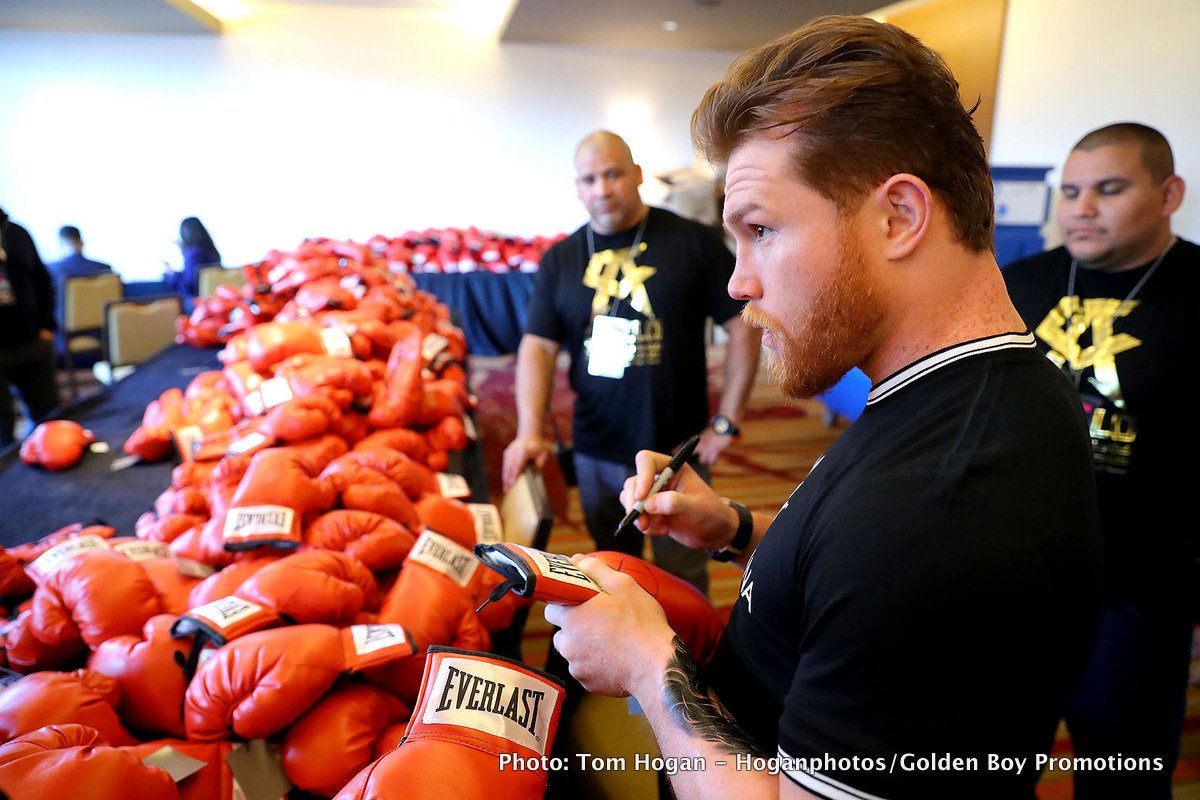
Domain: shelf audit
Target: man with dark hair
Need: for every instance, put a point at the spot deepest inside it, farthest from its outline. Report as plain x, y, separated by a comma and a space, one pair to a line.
1114, 308
74, 263
27, 327
627, 295
911, 620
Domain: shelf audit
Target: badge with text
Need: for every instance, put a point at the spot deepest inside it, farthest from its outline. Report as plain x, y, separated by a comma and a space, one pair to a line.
612, 346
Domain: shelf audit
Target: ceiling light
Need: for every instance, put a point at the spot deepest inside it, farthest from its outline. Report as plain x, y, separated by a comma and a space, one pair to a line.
670, 26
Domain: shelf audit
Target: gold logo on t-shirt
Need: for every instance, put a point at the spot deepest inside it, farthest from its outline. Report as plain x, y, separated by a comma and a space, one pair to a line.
615, 275
1069, 320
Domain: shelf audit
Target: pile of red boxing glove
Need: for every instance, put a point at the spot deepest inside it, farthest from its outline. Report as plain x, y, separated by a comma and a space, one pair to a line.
289, 584
272, 285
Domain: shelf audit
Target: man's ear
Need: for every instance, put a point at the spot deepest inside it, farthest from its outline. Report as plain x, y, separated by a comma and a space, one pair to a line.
905, 203
1173, 190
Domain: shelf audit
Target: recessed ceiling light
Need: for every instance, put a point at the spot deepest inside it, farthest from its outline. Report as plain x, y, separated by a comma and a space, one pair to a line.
670, 26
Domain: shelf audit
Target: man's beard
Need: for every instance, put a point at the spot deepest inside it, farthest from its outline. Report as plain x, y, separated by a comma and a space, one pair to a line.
834, 335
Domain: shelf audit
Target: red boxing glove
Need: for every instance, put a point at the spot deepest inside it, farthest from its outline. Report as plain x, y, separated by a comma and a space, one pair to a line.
300, 418
399, 399
359, 487
554, 578
335, 738
56, 445
271, 500
61, 760
272, 342
379, 542
313, 586
449, 517
94, 596
148, 668
83, 697
409, 442
261, 683
490, 720
342, 380
432, 600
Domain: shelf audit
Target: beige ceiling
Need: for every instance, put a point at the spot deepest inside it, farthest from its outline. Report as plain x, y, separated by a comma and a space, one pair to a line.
705, 24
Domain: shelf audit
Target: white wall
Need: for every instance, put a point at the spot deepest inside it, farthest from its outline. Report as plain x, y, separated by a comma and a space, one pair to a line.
322, 122
355, 121
1070, 66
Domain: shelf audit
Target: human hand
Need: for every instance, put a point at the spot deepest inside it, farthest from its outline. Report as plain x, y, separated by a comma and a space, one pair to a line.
618, 639
520, 452
690, 512
712, 444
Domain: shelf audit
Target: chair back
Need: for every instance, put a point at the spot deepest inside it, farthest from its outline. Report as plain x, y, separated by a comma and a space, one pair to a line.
140, 327
525, 510
216, 275
84, 297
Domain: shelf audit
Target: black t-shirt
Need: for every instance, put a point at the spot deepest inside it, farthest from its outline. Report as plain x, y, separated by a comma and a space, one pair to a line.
1129, 370
930, 588
31, 307
677, 280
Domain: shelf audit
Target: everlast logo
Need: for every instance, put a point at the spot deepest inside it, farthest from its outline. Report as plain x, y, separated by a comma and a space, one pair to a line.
562, 566
229, 608
258, 520
274, 519
465, 690
446, 556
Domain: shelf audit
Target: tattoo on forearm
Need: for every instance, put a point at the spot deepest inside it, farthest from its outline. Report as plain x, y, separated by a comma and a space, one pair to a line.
694, 710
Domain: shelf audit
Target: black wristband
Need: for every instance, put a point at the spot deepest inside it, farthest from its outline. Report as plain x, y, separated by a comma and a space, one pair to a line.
741, 538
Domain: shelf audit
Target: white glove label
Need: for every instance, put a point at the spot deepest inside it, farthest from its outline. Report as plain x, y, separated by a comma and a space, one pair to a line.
186, 439
336, 342
251, 441
252, 522
558, 567
488, 527
451, 485
142, 551
445, 556
371, 638
274, 391
226, 611
492, 698
432, 346
49, 562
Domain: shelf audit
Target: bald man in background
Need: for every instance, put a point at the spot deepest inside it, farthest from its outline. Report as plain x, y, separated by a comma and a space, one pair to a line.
628, 295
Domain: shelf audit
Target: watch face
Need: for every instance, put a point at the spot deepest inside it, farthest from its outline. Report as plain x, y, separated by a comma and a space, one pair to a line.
721, 425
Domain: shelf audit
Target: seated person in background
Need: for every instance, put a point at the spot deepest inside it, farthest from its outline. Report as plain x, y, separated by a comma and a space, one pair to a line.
73, 265
198, 251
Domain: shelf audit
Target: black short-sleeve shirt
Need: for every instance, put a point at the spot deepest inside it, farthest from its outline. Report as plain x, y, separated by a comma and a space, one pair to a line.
930, 588
676, 280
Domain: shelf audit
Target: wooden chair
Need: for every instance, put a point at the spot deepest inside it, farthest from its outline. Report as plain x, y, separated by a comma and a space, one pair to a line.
84, 299
216, 275
136, 329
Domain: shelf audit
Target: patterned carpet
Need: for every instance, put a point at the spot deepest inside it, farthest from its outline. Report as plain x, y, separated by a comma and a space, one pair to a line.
781, 440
